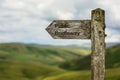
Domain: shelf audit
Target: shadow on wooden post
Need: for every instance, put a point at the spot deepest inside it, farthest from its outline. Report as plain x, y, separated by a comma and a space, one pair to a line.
98, 44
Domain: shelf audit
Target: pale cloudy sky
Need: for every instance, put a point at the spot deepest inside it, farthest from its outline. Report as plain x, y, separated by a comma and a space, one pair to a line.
26, 20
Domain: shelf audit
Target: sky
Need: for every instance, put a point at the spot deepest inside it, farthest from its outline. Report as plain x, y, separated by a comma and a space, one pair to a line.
25, 21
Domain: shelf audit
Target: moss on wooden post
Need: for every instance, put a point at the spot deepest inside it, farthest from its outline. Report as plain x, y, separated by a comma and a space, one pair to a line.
98, 44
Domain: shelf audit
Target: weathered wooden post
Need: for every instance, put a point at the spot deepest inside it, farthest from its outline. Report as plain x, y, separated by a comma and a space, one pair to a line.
98, 44
93, 29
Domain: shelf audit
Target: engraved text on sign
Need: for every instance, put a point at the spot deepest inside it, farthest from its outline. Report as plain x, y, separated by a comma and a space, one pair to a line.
70, 29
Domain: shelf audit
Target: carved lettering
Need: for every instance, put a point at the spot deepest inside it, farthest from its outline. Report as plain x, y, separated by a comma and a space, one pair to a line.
67, 33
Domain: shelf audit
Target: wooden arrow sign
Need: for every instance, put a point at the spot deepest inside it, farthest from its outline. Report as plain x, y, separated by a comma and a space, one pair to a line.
70, 29
93, 29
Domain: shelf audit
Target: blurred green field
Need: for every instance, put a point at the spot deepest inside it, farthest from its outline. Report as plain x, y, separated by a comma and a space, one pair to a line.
50, 55
112, 60
111, 74
19, 70
38, 62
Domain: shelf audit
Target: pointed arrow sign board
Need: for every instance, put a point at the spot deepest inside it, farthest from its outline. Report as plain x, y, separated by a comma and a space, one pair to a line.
70, 29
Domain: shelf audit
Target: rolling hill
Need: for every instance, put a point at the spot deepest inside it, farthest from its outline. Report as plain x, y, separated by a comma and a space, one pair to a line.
49, 55
40, 62
33, 62
19, 70
112, 60
111, 74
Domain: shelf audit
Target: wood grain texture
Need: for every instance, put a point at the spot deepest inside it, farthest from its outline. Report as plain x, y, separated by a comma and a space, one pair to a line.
98, 44
70, 29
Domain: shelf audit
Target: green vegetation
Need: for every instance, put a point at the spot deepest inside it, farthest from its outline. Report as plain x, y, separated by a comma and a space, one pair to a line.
33, 62
113, 57
45, 54
18, 70
112, 60
37, 62
111, 74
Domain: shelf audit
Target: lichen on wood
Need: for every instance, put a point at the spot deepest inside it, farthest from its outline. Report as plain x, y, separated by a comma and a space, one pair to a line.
98, 44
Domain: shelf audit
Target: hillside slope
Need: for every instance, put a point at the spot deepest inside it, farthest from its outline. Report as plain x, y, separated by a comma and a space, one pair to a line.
50, 55
112, 60
111, 74
19, 70
36, 62
33, 62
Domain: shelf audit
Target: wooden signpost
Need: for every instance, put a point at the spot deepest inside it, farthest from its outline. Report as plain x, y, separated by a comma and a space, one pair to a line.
93, 29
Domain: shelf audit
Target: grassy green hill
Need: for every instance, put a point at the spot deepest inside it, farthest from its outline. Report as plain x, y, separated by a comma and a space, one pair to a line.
112, 60
33, 62
37, 62
111, 74
19, 70
113, 57
50, 55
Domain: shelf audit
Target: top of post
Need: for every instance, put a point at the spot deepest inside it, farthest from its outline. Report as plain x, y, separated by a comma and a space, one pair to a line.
98, 14
98, 9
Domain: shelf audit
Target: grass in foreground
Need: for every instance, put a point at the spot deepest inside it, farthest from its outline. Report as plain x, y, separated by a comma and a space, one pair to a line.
111, 74
19, 70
